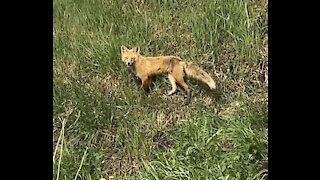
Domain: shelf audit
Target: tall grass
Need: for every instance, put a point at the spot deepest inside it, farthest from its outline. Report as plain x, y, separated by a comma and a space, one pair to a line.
111, 127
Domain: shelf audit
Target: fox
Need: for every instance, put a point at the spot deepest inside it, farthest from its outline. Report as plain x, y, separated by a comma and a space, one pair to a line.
174, 67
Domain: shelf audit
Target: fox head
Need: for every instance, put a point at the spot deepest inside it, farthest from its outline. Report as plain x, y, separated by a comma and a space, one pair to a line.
129, 56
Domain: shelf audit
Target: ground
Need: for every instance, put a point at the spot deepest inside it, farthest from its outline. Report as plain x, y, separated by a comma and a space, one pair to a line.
105, 125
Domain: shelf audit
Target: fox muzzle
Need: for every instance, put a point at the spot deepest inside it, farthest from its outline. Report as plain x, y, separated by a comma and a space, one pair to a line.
130, 63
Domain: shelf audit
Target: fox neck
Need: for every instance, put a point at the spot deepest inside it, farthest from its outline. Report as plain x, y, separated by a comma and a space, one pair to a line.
140, 59
137, 61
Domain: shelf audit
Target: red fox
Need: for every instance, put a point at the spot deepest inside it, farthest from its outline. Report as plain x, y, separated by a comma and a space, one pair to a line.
173, 66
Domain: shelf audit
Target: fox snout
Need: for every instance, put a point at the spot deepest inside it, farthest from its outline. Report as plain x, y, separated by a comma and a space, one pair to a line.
131, 62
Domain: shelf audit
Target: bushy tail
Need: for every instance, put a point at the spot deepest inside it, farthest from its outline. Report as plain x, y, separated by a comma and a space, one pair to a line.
199, 74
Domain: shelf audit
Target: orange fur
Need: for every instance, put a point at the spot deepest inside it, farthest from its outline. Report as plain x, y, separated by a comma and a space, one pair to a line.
173, 66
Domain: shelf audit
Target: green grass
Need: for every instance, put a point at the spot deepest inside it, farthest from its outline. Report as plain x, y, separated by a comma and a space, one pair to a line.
104, 124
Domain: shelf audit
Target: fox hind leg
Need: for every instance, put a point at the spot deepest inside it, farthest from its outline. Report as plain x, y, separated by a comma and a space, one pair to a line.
178, 75
173, 84
186, 88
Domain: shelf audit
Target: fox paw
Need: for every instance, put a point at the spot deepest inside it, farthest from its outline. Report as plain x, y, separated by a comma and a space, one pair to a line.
187, 99
187, 102
170, 93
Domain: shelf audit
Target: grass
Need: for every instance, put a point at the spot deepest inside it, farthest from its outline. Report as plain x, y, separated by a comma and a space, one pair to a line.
105, 125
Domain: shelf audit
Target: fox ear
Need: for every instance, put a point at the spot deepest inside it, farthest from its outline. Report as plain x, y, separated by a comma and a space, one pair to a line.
123, 49
137, 50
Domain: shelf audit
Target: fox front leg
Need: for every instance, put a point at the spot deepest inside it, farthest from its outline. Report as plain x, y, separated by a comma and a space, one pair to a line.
145, 83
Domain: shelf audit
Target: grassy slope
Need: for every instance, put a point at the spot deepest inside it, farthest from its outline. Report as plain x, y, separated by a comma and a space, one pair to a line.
105, 125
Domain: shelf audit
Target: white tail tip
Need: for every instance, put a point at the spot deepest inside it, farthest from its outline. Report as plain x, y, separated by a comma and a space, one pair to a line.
212, 85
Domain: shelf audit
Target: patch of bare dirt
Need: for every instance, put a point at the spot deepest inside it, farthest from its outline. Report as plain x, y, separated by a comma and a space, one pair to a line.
106, 84
114, 164
67, 70
229, 111
161, 141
